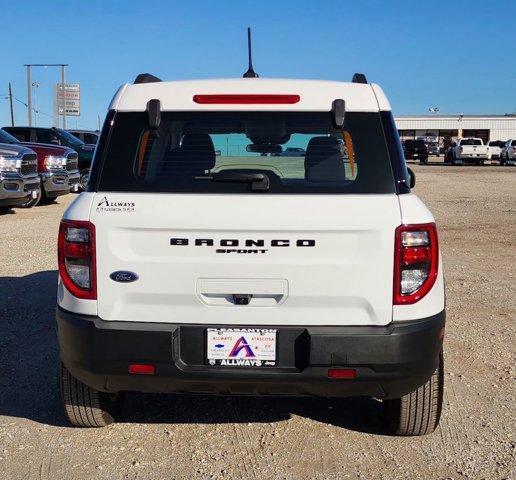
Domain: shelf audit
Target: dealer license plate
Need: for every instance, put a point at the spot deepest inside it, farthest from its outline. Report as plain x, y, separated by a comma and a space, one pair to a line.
241, 347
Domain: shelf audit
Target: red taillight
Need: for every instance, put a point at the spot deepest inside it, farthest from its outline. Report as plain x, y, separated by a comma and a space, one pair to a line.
142, 369
76, 258
246, 98
416, 259
342, 373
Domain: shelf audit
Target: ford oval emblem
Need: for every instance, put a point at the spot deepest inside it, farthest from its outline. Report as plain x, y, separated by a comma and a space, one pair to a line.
123, 276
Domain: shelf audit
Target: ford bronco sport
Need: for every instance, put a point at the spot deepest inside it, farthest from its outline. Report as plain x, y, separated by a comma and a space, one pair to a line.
251, 273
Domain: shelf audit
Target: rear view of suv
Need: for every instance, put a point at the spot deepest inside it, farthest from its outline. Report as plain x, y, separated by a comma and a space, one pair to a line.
250, 273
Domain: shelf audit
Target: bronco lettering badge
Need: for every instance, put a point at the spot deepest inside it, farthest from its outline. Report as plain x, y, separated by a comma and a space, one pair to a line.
236, 245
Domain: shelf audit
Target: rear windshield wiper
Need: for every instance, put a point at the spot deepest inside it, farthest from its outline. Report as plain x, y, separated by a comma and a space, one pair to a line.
259, 181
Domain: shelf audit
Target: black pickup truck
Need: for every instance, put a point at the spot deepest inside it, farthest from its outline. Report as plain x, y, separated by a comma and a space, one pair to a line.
416, 150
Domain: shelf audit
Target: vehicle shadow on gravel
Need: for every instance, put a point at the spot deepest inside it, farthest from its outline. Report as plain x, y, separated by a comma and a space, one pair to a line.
355, 413
28, 348
29, 388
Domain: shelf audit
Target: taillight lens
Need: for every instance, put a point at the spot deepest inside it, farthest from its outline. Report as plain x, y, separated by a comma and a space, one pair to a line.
416, 259
76, 256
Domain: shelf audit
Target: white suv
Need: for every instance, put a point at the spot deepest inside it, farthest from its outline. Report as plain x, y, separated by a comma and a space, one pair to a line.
249, 272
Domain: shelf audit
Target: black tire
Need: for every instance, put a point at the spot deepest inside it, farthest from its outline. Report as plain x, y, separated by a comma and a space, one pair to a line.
46, 200
32, 202
84, 406
418, 412
83, 180
423, 161
4, 210
502, 161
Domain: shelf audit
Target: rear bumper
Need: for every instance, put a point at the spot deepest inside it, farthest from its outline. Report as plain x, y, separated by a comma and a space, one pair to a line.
390, 361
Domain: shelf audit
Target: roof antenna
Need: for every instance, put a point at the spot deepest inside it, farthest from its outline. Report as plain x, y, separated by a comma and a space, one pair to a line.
250, 72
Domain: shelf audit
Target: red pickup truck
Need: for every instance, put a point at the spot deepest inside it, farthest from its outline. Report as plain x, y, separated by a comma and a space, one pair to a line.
57, 168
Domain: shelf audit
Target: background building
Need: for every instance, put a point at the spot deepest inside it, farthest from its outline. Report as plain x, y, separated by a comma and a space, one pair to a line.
450, 127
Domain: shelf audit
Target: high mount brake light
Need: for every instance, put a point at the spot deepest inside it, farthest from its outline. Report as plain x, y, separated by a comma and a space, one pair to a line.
416, 260
76, 258
213, 99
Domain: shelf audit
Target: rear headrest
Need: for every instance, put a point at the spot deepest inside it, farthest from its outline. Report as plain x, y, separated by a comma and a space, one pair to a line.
324, 160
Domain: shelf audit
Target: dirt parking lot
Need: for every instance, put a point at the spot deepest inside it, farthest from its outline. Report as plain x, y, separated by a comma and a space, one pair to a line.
166, 436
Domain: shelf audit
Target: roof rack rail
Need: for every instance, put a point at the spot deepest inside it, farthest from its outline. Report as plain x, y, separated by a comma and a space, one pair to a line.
146, 78
359, 78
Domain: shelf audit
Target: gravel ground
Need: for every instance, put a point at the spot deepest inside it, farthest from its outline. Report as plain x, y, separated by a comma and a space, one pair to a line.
164, 436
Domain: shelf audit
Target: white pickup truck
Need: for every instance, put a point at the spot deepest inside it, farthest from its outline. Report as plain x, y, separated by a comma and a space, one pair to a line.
470, 150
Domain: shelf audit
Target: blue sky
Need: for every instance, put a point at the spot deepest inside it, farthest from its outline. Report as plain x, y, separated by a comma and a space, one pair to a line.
459, 56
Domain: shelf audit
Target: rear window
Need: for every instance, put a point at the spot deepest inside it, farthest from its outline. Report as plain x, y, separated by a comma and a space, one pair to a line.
246, 152
471, 141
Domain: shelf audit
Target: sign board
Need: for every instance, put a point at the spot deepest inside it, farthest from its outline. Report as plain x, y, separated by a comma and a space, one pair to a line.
72, 99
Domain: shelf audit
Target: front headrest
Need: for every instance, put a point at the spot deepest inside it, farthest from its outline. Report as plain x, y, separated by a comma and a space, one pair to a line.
198, 149
324, 160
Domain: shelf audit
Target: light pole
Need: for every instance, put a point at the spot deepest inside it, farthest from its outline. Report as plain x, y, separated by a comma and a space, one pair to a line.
34, 86
29, 88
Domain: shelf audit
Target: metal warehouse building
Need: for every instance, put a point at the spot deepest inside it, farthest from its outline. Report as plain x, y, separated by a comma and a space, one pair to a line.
450, 127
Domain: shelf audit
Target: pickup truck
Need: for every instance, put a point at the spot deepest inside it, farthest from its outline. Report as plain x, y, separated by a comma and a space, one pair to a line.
469, 150
57, 169
19, 179
58, 136
416, 150
495, 149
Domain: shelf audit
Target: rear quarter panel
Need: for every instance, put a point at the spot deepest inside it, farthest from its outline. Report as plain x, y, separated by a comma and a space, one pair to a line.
413, 210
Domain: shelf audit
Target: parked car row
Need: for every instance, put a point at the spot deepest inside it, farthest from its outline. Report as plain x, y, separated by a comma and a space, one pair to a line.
40, 164
57, 136
470, 150
473, 150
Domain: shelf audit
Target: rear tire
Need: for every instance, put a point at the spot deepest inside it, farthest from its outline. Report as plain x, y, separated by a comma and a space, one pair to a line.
84, 406
418, 412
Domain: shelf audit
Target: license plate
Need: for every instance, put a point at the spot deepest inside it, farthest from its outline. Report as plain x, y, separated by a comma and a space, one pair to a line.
241, 347
34, 194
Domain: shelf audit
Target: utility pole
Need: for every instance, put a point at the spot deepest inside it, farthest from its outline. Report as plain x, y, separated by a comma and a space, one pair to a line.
11, 104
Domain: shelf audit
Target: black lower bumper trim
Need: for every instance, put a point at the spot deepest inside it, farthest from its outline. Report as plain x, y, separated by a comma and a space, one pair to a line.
390, 361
